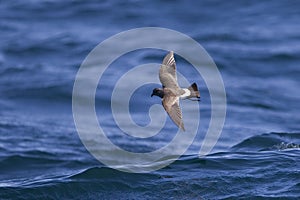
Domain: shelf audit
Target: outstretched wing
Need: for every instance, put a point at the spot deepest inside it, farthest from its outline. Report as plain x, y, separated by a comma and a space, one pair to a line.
171, 105
167, 72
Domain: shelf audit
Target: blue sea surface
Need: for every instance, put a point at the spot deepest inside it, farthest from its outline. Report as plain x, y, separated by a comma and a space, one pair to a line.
256, 46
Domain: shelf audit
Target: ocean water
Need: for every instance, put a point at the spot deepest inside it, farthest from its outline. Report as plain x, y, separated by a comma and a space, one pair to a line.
256, 46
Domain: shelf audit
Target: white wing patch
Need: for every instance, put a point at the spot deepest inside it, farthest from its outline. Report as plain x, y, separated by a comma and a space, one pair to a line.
187, 93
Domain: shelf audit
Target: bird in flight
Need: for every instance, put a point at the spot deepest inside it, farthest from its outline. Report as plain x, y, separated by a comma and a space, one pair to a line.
171, 92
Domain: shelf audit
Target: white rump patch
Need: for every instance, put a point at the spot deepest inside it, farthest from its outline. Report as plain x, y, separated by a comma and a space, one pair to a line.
187, 93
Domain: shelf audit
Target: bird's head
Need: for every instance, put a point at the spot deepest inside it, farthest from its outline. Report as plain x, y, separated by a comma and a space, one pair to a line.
158, 92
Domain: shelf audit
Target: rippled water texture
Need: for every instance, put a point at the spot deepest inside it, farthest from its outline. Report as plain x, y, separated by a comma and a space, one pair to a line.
256, 46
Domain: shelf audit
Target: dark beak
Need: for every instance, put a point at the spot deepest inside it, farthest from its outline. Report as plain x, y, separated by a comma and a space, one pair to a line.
152, 95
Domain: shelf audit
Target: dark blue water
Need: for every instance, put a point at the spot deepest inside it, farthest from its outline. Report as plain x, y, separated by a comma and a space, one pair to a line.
256, 46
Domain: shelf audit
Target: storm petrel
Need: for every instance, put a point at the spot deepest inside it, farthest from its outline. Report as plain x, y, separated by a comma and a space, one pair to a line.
171, 92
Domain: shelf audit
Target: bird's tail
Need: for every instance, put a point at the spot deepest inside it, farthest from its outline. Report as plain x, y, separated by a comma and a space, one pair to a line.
194, 91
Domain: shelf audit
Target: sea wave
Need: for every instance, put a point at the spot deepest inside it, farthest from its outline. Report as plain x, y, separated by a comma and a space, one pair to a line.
269, 141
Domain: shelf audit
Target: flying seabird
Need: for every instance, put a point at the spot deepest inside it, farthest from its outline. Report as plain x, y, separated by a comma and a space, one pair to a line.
171, 92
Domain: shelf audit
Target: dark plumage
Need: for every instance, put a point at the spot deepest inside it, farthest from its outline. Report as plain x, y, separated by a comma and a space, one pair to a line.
171, 92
